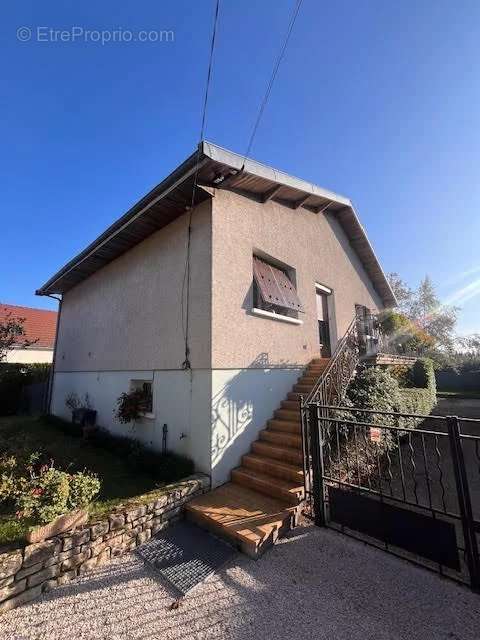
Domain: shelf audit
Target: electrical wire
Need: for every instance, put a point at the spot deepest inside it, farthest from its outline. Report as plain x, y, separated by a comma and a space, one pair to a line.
278, 61
185, 304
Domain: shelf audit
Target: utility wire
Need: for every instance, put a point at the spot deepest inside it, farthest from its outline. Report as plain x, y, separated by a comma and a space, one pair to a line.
185, 307
279, 59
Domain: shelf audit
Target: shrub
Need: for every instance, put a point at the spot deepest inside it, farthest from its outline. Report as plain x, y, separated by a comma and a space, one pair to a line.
83, 488
44, 496
416, 401
374, 388
402, 374
406, 334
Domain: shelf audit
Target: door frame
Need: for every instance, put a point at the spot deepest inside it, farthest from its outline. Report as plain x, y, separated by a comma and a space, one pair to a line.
332, 325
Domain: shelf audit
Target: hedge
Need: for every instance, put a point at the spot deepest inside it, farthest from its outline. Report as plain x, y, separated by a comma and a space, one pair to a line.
422, 397
376, 388
13, 380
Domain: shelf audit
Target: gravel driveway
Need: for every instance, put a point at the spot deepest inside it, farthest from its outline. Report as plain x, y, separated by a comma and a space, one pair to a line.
315, 584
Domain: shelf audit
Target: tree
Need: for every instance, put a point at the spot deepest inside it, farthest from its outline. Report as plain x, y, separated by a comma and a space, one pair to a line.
402, 291
12, 333
423, 307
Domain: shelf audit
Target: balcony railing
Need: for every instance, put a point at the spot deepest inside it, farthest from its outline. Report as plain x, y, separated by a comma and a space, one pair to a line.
373, 341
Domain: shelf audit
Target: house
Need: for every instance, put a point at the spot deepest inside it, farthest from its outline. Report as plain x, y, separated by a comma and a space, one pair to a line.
219, 323
39, 326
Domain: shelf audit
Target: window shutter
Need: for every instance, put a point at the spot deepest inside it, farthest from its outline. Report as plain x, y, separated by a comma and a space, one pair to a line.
275, 286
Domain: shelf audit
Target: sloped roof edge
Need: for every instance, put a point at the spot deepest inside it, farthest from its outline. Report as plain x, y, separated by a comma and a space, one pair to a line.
172, 196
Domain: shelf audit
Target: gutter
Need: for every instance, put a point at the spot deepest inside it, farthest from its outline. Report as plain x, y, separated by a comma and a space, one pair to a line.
51, 377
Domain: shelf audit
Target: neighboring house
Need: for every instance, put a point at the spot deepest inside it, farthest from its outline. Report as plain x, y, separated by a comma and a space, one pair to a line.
278, 268
39, 326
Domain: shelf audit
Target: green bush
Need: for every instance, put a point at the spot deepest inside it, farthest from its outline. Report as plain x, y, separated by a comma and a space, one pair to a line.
416, 401
374, 388
402, 374
50, 493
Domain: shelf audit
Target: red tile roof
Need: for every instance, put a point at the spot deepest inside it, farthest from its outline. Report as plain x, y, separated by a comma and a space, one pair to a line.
39, 323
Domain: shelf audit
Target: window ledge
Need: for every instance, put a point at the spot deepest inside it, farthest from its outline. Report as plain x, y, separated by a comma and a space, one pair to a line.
275, 316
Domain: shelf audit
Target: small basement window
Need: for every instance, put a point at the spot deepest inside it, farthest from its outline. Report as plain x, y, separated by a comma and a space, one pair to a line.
146, 387
274, 291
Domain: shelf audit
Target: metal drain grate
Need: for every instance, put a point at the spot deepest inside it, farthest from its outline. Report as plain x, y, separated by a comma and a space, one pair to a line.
185, 555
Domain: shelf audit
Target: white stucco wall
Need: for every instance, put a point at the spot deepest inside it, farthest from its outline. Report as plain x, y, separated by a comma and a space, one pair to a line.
30, 356
242, 402
182, 400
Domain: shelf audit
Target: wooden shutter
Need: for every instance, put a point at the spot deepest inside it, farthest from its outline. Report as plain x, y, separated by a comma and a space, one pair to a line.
275, 286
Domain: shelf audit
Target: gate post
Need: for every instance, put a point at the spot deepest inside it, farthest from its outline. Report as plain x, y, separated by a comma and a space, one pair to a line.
464, 501
320, 516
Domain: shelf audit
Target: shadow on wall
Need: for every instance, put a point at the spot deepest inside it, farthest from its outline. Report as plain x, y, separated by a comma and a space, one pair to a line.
241, 407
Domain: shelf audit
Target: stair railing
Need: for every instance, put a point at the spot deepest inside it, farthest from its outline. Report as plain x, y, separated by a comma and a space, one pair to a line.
329, 390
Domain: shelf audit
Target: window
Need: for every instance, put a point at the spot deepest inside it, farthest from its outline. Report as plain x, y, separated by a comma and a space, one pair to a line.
273, 290
146, 387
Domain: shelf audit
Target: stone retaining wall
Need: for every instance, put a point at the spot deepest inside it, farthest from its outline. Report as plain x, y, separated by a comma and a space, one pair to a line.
26, 572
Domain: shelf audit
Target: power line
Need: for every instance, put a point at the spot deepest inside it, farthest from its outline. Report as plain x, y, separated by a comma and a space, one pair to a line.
279, 59
185, 306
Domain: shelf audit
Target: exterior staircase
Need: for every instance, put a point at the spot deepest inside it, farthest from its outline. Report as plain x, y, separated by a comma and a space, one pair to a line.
263, 499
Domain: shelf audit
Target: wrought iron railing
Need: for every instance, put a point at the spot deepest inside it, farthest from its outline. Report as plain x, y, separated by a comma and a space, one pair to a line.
332, 384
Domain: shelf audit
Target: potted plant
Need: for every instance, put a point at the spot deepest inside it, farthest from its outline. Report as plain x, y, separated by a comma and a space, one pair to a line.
132, 405
82, 412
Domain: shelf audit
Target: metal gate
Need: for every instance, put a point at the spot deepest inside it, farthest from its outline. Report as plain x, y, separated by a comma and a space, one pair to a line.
409, 484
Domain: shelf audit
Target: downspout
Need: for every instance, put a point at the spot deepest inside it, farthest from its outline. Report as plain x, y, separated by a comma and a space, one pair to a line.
54, 360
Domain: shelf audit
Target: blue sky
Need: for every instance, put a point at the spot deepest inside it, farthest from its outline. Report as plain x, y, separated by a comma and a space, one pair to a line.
377, 100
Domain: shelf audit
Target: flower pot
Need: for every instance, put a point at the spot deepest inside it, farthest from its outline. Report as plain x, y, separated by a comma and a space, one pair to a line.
61, 524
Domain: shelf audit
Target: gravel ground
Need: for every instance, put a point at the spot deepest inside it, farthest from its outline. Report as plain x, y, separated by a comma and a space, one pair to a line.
315, 584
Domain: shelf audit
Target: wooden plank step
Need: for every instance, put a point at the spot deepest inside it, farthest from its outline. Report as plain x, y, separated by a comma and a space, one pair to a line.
285, 490
294, 396
274, 468
291, 405
308, 379
285, 414
281, 439
303, 388
319, 361
277, 452
248, 519
285, 426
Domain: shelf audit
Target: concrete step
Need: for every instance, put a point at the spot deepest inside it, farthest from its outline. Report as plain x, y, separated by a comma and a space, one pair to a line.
285, 490
276, 468
286, 414
285, 426
248, 519
277, 452
281, 439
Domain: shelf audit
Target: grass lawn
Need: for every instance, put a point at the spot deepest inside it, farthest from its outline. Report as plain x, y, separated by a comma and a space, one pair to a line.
459, 394
120, 484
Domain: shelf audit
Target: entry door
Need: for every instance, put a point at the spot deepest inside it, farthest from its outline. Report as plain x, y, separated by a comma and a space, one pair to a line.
323, 328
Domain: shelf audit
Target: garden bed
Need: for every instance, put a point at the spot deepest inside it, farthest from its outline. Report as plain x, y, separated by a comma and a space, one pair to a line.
120, 472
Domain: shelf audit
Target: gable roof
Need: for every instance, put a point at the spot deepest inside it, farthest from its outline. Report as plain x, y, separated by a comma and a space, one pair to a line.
222, 169
39, 325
